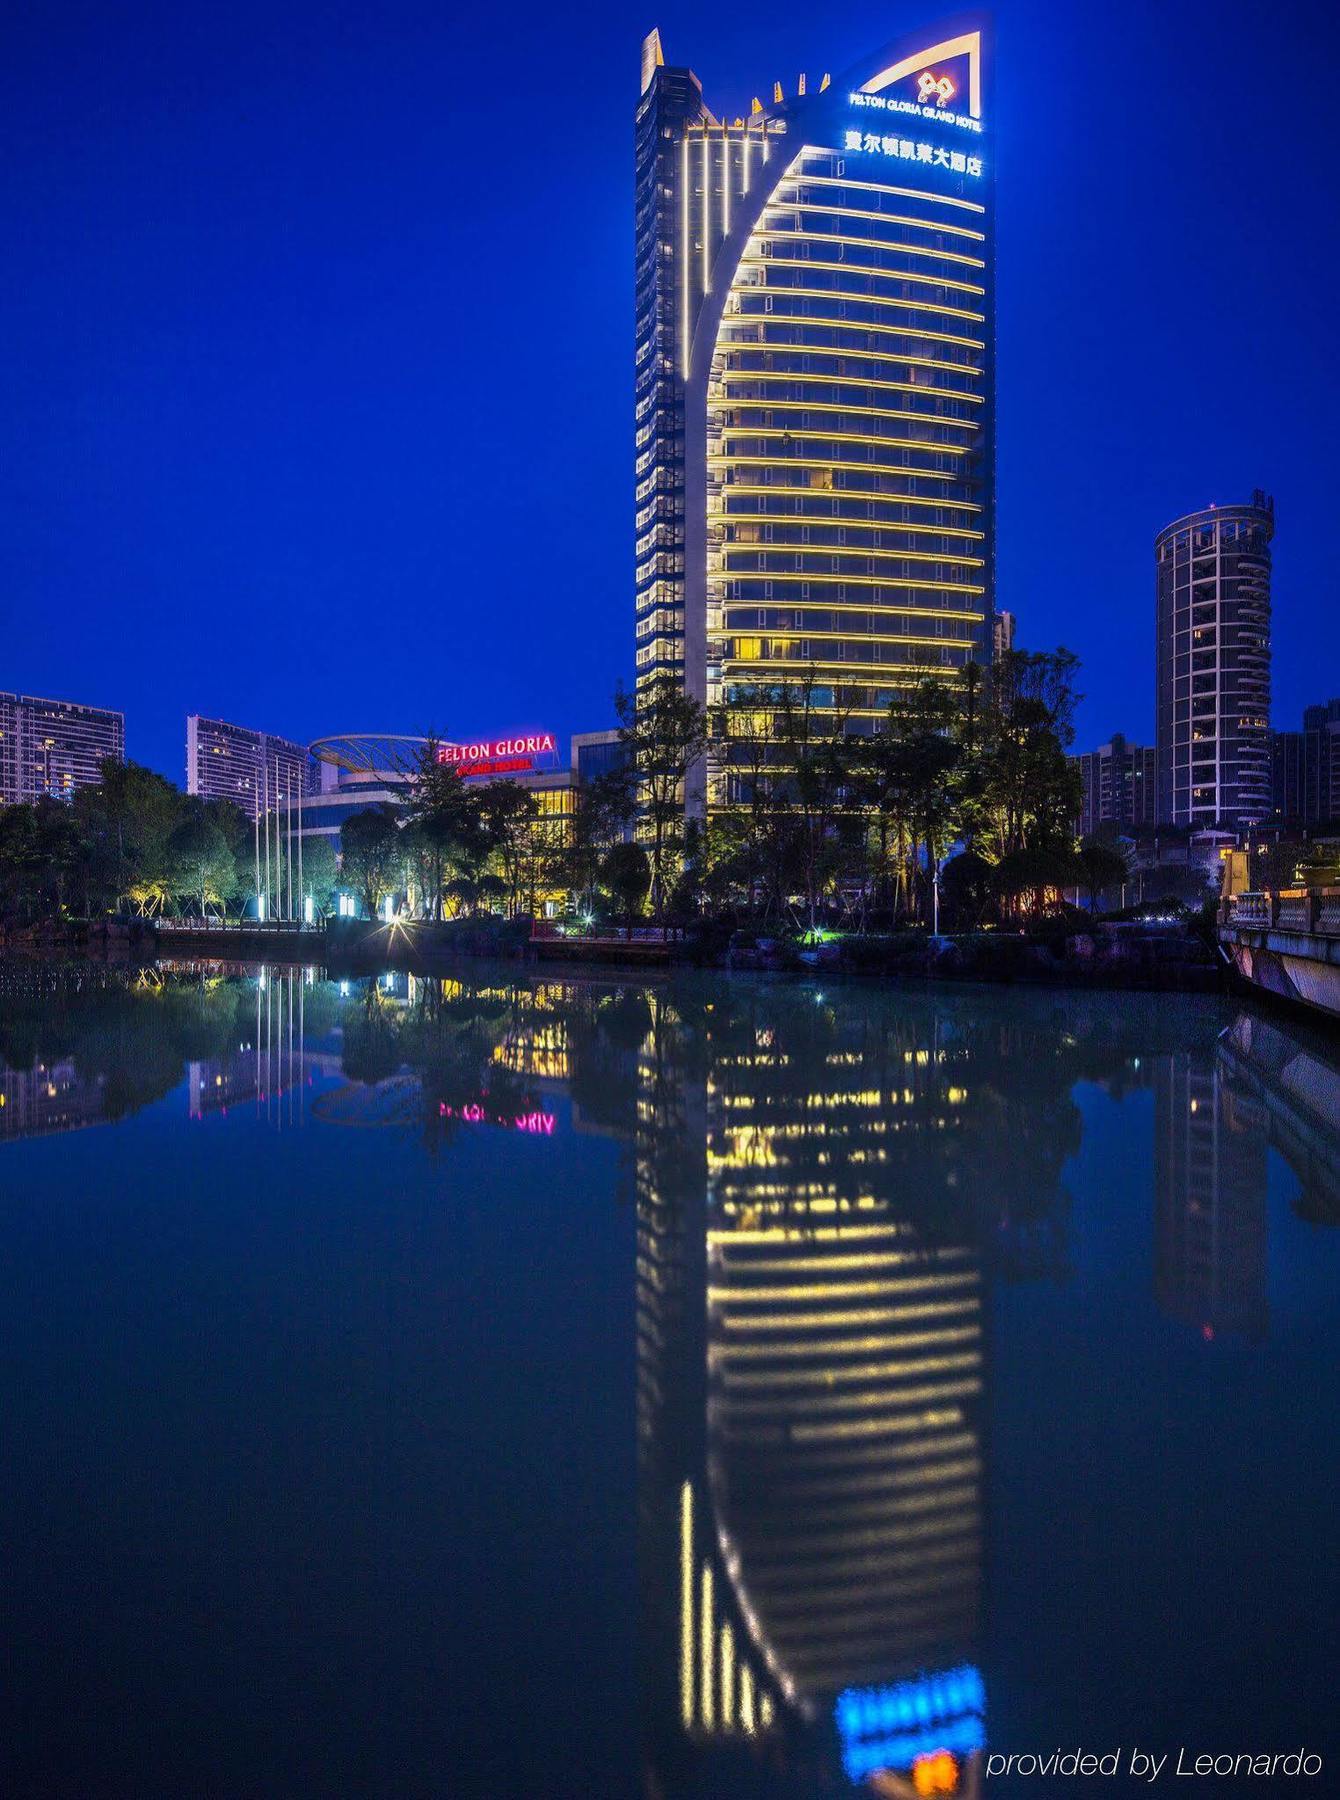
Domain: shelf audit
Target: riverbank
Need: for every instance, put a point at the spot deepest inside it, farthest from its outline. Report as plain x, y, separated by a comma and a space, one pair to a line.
1137, 955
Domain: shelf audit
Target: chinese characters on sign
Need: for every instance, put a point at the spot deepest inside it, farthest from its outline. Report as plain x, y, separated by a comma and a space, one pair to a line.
930, 154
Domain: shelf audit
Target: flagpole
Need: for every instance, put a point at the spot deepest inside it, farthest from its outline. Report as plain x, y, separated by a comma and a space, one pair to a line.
265, 784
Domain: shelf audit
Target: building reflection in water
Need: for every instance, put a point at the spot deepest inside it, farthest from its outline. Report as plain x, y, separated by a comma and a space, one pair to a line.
271, 1070
1210, 1197
810, 1401
1218, 1112
48, 1098
824, 1193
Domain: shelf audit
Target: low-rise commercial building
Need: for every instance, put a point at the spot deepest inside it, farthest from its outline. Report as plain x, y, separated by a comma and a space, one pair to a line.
356, 771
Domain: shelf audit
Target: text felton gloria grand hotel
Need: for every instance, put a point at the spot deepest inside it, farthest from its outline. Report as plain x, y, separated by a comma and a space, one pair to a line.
815, 378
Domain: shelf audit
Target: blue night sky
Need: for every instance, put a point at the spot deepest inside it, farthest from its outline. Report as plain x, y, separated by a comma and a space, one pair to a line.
316, 366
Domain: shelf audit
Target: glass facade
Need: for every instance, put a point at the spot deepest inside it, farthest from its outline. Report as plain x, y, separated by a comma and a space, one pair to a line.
815, 396
1213, 631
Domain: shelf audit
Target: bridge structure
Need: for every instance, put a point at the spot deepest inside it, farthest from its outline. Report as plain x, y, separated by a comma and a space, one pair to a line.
1293, 1083
1286, 943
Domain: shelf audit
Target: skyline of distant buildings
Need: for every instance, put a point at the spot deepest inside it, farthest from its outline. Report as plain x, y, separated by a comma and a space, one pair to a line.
54, 747
253, 769
1118, 786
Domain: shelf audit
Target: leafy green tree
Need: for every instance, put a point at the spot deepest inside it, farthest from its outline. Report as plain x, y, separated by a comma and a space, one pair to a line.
320, 873
663, 731
201, 860
127, 820
508, 814
370, 854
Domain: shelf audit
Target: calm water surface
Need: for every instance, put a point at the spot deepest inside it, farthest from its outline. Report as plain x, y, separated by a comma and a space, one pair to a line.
504, 1386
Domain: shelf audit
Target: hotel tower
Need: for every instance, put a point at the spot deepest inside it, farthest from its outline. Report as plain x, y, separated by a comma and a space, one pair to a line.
815, 379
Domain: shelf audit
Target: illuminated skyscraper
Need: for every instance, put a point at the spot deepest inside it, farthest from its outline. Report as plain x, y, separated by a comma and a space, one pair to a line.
1213, 648
815, 380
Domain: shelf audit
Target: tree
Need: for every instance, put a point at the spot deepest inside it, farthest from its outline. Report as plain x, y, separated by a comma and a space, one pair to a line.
1031, 872
819, 776
966, 888
445, 817
127, 820
741, 833
922, 726
663, 732
1025, 793
369, 854
320, 874
1099, 866
201, 860
603, 810
507, 815
627, 873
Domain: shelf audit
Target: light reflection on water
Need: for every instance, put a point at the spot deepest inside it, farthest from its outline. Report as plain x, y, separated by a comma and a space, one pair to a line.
836, 1202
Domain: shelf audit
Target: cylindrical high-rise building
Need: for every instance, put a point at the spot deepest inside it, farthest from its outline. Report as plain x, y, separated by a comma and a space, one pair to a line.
815, 380
1213, 648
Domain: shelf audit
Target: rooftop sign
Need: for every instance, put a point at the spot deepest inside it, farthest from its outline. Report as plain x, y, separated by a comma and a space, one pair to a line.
935, 156
498, 756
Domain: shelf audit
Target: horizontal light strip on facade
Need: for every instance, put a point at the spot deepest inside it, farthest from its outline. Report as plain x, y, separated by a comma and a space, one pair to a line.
938, 308
837, 578
822, 1291
727, 489
730, 1356
803, 178
796, 1265
924, 332
829, 209
864, 243
822, 410
735, 377
877, 552
851, 522
840, 437
860, 352
844, 267
830, 1547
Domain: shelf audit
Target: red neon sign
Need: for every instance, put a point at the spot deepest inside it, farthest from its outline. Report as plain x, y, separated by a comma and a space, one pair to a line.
467, 757
510, 765
537, 1122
